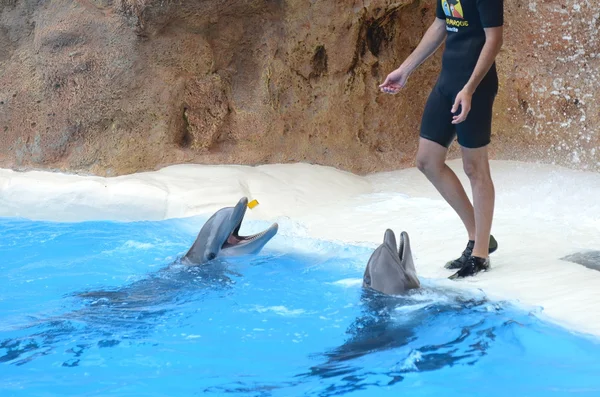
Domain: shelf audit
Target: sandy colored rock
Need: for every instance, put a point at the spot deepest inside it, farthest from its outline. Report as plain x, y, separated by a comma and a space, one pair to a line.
114, 87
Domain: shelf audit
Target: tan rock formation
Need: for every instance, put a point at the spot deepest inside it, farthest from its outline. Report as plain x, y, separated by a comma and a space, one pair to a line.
113, 87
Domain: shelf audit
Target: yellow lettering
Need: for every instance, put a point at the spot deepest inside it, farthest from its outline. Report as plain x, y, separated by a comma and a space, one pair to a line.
458, 23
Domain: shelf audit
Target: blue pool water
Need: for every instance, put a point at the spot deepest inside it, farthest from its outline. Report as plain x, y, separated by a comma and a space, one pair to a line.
278, 324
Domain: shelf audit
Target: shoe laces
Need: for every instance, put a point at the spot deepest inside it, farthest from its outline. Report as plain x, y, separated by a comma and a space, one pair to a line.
467, 253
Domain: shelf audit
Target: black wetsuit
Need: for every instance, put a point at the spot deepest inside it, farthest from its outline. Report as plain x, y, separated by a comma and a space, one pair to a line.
465, 21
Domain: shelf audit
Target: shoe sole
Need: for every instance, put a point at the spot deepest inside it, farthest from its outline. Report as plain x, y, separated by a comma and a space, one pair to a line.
455, 275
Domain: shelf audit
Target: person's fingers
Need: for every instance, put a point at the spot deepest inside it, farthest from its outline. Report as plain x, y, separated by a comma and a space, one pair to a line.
457, 102
390, 88
462, 116
393, 83
385, 83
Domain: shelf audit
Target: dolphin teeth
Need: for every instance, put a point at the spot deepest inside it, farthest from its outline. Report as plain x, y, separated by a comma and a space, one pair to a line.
238, 240
251, 238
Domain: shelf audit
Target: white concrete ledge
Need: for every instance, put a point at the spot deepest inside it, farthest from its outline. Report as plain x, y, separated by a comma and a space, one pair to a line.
542, 214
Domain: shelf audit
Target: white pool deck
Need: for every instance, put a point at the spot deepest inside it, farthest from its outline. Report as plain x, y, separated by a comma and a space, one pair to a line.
542, 213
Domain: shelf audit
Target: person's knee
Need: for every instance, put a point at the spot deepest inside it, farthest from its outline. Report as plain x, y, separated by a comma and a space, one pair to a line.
476, 171
431, 156
428, 165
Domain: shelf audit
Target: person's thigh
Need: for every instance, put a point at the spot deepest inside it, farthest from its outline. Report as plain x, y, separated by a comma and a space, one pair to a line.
436, 123
476, 131
430, 154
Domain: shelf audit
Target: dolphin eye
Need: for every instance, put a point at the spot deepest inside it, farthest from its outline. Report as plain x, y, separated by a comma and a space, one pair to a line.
211, 256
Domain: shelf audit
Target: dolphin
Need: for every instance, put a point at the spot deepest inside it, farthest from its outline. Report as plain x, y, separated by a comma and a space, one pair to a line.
220, 237
390, 270
136, 306
395, 308
400, 323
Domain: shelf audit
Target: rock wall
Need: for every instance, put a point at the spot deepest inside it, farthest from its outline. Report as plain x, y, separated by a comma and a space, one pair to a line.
113, 87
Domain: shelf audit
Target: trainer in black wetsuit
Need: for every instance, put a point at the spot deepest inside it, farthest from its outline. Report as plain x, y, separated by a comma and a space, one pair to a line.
460, 105
465, 40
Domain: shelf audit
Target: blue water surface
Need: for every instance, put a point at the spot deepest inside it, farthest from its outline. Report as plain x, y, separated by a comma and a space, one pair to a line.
93, 309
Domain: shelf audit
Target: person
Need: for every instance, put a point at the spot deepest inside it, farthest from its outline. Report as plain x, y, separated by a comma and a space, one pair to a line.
460, 104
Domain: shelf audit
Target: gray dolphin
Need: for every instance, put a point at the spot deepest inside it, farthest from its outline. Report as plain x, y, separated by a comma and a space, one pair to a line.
390, 282
220, 237
391, 270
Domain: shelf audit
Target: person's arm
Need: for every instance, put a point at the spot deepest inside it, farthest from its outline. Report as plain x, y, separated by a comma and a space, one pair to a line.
431, 41
491, 48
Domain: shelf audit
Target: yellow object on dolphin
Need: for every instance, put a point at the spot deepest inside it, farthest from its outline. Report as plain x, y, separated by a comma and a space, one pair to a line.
252, 204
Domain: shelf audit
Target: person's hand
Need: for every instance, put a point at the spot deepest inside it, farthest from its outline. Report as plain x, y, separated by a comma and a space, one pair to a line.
463, 99
394, 81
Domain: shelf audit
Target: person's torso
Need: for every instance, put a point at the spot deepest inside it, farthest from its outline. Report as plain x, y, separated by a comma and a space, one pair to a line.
464, 41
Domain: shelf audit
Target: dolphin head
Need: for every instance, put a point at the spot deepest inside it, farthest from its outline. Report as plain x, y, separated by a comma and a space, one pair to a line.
390, 269
220, 236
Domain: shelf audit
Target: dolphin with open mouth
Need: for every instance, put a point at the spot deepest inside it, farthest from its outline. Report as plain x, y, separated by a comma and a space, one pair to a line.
220, 237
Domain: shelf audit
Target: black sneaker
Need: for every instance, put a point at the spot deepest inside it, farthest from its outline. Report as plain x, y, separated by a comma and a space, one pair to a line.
473, 266
460, 262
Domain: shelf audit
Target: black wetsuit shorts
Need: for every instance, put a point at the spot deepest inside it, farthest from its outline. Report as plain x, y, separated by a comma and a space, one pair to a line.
476, 130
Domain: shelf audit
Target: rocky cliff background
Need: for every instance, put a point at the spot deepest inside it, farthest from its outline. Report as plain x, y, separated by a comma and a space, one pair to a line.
113, 87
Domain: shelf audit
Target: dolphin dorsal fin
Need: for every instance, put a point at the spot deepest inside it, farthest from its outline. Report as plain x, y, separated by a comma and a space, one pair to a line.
389, 238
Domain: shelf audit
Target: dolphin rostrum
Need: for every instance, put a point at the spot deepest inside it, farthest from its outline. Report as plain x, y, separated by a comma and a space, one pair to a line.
391, 270
220, 237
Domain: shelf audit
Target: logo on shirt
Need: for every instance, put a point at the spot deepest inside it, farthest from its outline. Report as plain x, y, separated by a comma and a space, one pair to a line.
453, 8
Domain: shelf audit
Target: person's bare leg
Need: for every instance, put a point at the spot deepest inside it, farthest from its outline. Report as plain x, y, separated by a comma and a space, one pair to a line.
431, 161
477, 168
